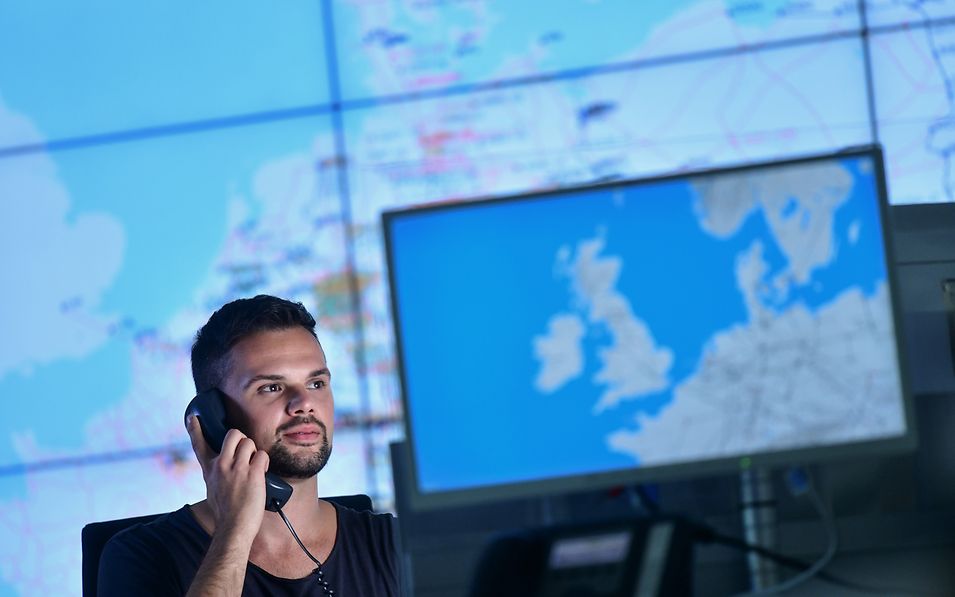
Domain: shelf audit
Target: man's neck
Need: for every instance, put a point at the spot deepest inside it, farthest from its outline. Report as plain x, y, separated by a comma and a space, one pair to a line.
316, 524
303, 511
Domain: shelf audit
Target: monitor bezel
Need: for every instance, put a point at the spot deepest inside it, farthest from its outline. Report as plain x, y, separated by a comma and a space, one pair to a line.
426, 500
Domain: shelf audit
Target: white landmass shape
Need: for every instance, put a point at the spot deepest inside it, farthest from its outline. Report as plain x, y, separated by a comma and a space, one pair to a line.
294, 205
798, 202
632, 365
57, 263
559, 352
780, 380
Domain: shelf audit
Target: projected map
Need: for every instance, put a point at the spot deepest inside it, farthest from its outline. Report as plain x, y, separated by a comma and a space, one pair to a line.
915, 75
116, 274
392, 47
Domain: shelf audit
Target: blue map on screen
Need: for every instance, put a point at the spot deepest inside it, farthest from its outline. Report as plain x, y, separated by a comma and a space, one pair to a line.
645, 325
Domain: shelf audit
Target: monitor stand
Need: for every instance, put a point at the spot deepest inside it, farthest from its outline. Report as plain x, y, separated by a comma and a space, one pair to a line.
758, 510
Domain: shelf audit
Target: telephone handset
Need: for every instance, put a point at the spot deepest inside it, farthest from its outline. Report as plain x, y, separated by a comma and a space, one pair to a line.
209, 406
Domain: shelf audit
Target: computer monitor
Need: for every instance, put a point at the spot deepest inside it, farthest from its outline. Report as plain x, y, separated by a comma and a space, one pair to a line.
641, 330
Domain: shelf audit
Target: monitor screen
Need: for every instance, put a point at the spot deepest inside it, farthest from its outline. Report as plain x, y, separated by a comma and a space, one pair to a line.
648, 328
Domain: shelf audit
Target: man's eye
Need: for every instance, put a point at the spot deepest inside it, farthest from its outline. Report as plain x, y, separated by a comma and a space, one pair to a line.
272, 387
318, 384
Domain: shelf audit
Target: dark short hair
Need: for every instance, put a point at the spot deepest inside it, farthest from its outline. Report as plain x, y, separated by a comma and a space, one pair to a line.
237, 320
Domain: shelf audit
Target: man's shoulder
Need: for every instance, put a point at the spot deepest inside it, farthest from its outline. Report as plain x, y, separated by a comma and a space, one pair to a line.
371, 529
156, 557
366, 552
367, 518
158, 531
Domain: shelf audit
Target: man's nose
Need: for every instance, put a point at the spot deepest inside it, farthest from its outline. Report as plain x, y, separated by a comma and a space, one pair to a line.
299, 401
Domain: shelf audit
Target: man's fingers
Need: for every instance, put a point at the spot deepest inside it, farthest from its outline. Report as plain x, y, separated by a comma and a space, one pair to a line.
232, 439
203, 452
244, 451
260, 461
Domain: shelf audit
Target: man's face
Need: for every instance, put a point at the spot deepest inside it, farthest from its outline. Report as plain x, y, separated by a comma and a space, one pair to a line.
281, 386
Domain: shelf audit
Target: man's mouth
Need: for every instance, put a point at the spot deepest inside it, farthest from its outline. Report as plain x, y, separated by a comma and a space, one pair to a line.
303, 438
304, 434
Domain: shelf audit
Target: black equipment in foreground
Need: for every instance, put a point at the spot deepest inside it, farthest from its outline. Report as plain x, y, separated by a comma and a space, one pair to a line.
632, 557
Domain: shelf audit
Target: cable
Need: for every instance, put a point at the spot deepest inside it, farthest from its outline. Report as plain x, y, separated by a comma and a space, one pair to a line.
707, 534
807, 487
318, 565
799, 483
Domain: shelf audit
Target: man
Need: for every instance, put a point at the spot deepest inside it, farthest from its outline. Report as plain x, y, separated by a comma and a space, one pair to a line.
263, 354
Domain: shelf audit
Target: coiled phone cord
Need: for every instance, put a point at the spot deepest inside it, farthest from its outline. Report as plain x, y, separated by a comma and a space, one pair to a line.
318, 565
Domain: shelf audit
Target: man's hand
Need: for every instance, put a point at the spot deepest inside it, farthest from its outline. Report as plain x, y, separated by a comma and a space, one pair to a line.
235, 492
235, 481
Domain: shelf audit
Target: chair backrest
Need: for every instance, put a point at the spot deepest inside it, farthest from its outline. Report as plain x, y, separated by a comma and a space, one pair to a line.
96, 534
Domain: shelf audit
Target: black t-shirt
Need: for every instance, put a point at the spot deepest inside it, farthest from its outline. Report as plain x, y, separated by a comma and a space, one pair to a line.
160, 558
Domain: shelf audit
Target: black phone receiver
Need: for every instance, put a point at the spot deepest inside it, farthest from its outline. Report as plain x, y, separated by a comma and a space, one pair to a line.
209, 406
